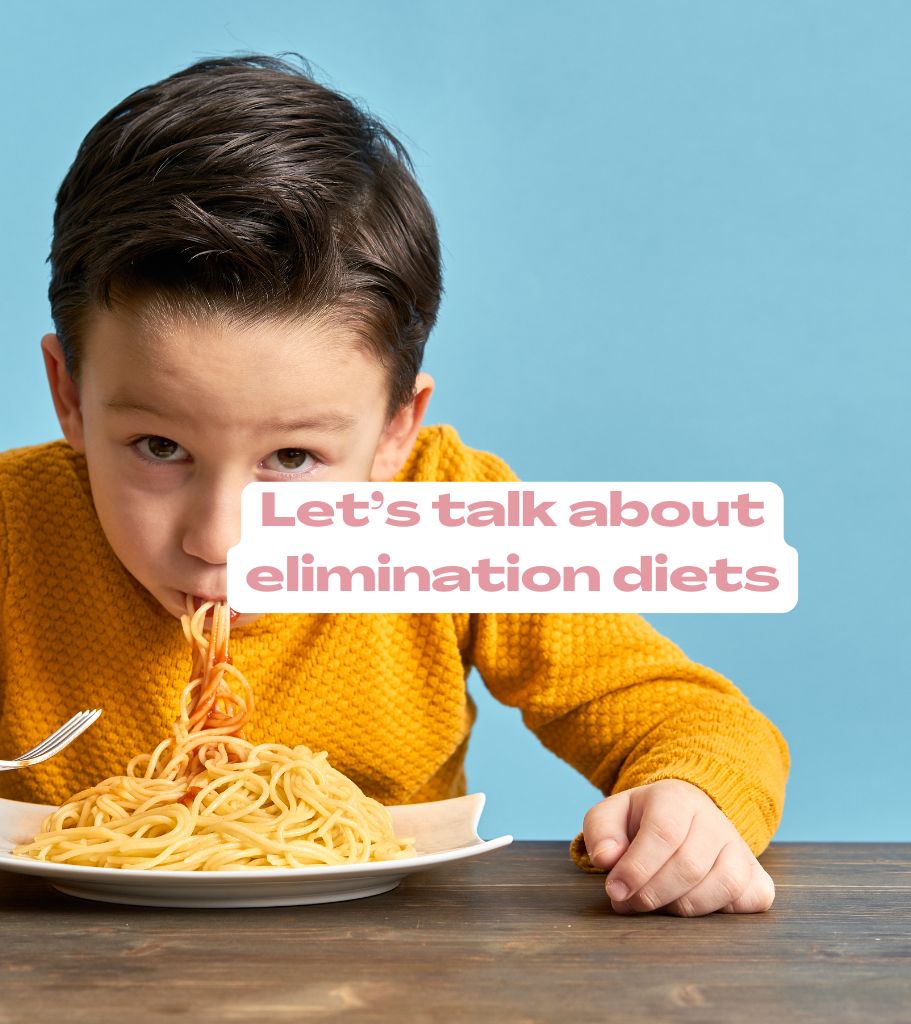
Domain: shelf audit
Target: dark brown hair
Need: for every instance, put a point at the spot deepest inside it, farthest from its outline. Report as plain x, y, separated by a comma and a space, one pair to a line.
242, 189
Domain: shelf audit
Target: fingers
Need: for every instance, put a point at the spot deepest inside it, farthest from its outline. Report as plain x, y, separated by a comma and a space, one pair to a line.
664, 826
606, 830
729, 883
682, 872
684, 854
758, 896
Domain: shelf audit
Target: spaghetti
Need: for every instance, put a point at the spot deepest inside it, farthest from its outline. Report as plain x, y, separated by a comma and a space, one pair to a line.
207, 799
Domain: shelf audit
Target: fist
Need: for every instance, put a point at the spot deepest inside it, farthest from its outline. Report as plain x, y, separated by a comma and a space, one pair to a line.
668, 845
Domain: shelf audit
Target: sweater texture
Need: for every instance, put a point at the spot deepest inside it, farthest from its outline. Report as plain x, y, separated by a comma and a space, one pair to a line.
384, 694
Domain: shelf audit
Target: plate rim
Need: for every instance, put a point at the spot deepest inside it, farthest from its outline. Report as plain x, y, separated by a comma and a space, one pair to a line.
105, 877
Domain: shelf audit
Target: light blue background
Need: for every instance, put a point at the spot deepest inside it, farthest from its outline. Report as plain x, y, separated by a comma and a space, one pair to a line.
677, 239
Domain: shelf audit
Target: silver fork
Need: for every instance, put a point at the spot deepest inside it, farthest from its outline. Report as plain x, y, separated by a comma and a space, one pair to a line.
65, 735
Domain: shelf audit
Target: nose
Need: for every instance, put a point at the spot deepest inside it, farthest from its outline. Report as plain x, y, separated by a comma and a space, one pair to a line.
212, 519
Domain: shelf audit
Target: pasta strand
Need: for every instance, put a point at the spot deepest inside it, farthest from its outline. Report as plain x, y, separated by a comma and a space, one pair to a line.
206, 799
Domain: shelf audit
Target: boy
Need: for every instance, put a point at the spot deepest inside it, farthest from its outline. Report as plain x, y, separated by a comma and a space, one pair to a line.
244, 276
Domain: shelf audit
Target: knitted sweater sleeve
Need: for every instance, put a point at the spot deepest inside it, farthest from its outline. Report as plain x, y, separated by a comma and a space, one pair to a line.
613, 697
624, 706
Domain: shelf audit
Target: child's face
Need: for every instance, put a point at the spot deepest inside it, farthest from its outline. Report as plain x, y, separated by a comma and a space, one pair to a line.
174, 425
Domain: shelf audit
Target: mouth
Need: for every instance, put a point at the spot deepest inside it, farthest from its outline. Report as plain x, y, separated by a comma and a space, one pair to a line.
201, 599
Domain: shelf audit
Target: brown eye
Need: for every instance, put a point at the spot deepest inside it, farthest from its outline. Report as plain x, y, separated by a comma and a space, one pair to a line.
291, 458
163, 449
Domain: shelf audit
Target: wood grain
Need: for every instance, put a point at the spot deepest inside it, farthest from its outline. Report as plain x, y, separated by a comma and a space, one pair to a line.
519, 935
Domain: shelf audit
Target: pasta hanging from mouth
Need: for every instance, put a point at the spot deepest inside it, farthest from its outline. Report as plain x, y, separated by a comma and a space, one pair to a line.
206, 799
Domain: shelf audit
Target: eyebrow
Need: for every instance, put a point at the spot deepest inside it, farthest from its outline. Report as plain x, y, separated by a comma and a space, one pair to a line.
331, 421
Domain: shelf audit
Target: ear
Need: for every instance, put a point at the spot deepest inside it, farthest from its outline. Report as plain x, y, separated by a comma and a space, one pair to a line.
400, 433
64, 392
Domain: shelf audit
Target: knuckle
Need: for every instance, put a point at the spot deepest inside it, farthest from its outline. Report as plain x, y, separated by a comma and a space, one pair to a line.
678, 788
634, 874
690, 869
685, 907
728, 885
592, 817
676, 785
732, 880
670, 833
588, 826
646, 899
744, 873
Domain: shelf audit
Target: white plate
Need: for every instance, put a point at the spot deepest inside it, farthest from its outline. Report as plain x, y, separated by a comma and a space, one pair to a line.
445, 831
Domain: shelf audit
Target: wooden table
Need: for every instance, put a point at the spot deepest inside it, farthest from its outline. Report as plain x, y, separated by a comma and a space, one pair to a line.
517, 935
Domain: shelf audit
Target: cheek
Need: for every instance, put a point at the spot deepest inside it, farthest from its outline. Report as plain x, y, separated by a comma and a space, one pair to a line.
137, 524
137, 534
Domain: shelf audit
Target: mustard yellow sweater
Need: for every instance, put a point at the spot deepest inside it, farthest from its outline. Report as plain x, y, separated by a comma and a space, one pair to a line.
384, 694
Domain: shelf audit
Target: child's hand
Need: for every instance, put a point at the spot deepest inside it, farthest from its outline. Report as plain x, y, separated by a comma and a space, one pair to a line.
668, 845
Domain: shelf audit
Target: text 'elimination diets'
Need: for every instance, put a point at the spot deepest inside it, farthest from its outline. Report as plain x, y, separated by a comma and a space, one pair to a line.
512, 547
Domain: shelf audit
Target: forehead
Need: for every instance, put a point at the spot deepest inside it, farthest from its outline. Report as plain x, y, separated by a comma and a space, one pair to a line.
188, 358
